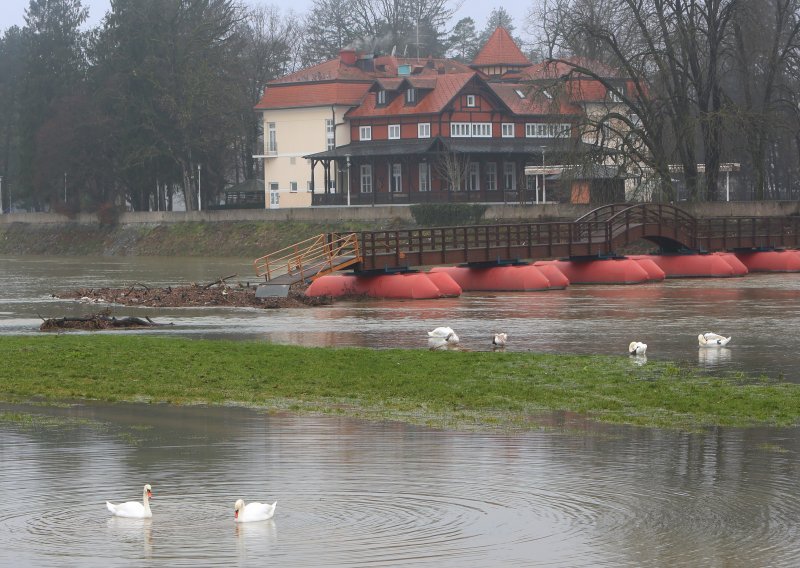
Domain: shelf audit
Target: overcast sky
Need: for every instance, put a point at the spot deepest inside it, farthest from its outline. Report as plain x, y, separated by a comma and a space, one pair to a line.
12, 12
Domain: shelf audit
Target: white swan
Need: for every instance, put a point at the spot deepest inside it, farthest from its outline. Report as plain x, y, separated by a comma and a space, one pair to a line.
499, 339
711, 339
444, 333
252, 511
134, 509
637, 348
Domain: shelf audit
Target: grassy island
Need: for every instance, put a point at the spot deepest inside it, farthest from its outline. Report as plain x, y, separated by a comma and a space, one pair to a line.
453, 389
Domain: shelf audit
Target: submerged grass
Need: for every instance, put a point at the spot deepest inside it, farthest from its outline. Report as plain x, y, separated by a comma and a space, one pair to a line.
448, 389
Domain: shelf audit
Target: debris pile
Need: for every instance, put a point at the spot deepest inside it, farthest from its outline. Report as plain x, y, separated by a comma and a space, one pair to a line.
102, 320
217, 293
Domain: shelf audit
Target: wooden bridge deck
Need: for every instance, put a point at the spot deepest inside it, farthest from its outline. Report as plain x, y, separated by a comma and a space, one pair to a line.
601, 232
598, 233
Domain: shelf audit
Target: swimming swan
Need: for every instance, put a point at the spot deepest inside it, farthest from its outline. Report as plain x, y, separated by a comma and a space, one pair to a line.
711, 339
252, 511
499, 340
134, 509
637, 348
444, 333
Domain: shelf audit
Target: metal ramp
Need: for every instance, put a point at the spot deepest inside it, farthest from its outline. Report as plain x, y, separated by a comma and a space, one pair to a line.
306, 260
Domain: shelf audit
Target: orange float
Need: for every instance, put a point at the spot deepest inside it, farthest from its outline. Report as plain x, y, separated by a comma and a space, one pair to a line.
699, 265
448, 287
521, 277
407, 285
654, 272
558, 280
770, 260
602, 271
738, 266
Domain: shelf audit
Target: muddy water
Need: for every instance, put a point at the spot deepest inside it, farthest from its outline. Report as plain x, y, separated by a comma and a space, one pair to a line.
760, 311
365, 494
357, 494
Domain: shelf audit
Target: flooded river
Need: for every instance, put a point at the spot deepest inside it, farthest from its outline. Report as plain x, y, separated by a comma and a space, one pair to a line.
760, 311
352, 493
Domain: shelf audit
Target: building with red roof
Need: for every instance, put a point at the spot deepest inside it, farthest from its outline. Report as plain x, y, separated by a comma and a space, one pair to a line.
364, 129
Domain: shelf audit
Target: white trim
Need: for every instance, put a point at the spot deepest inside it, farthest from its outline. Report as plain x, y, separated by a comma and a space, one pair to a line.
396, 129
423, 126
365, 133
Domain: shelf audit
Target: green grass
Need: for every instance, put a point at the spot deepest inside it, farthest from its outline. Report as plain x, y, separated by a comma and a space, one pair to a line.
447, 389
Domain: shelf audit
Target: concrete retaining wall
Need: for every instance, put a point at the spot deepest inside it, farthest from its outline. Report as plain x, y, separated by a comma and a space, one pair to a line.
402, 212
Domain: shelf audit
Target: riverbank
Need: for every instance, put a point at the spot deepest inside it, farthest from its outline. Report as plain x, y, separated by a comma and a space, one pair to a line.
454, 390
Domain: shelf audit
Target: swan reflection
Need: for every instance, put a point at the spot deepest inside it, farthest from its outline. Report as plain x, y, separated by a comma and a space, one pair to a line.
713, 356
132, 530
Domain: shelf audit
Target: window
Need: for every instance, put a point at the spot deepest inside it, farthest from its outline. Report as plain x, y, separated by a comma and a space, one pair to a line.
546, 130
490, 173
366, 178
509, 175
396, 183
460, 129
274, 194
381, 97
293, 186
394, 132
272, 139
471, 129
411, 95
481, 129
309, 187
470, 100
508, 130
330, 134
365, 133
473, 181
424, 130
424, 176
331, 186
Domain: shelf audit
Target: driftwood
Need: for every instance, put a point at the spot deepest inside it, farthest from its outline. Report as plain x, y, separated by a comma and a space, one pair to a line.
220, 281
95, 322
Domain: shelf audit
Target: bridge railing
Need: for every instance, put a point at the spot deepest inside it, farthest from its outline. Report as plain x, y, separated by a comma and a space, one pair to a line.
747, 232
479, 243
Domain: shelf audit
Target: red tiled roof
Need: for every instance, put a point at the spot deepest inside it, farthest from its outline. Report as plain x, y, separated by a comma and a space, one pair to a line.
533, 102
312, 94
552, 69
500, 49
446, 88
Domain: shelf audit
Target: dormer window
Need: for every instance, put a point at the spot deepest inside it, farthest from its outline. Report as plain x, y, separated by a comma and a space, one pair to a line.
470, 100
381, 97
411, 95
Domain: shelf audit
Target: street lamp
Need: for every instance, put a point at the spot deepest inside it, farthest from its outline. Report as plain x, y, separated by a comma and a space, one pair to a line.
199, 202
348, 180
544, 178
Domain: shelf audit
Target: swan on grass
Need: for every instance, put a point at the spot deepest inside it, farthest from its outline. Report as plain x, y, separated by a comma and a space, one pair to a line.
499, 340
637, 348
711, 339
134, 509
252, 511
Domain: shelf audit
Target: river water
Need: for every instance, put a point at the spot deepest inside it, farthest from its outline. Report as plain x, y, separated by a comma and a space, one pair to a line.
352, 493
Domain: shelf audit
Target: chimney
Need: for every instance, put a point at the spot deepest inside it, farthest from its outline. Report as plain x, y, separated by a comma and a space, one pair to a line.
347, 56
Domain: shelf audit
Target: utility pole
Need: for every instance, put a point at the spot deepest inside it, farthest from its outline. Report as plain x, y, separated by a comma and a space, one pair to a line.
1, 196
199, 203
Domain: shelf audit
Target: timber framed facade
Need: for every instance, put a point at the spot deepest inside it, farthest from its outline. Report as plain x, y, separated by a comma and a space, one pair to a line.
362, 130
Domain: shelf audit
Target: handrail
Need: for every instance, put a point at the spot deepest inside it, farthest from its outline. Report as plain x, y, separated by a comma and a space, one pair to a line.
310, 258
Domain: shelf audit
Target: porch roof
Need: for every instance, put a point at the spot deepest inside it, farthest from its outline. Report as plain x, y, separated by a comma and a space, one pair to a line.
409, 147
